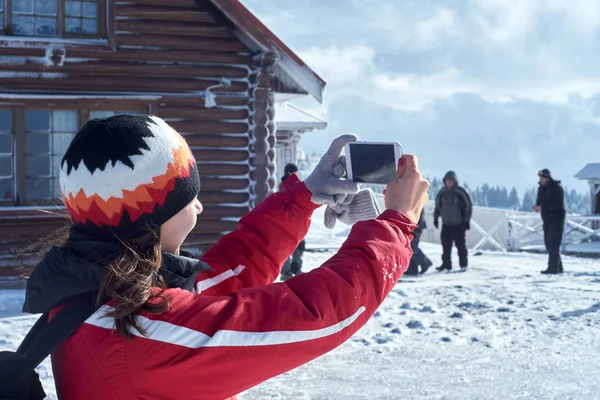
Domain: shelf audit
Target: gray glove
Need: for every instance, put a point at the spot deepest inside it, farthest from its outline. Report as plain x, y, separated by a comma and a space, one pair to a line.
325, 182
362, 206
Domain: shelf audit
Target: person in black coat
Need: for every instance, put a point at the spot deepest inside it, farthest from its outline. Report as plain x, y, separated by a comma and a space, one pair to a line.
293, 265
551, 204
454, 205
419, 258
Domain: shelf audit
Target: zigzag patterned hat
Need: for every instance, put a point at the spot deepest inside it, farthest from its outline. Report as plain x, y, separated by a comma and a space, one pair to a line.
126, 175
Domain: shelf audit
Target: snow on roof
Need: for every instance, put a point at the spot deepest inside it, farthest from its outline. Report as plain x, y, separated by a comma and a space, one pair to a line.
590, 171
291, 117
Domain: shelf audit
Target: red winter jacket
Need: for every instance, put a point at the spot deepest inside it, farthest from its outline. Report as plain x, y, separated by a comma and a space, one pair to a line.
239, 328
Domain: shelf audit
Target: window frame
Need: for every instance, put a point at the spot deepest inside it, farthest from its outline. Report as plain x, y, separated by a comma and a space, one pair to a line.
83, 108
106, 24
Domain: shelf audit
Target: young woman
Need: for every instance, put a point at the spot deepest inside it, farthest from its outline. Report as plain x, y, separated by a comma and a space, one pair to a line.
170, 327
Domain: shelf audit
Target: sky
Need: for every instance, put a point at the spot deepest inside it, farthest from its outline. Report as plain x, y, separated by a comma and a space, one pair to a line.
493, 89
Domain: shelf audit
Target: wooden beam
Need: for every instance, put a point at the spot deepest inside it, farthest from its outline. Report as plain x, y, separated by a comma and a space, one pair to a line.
208, 127
216, 198
220, 155
212, 184
211, 170
200, 112
194, 140
115, 83
166, 56
131, 68
167, 101
171, 28
180, 42
220, 211
163, 12
171, 3
87, 103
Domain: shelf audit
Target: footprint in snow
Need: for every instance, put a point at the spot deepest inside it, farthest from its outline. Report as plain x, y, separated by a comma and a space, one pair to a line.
503, 309
415, 325
446, 339
456, 315
381, 339
388, 325
396, 331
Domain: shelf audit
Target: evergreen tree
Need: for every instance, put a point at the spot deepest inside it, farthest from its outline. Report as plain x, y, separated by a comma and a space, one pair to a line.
513, 199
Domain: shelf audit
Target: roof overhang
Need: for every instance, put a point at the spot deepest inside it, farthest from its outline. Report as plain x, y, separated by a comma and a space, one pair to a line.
289, 117
257, 36
589, 172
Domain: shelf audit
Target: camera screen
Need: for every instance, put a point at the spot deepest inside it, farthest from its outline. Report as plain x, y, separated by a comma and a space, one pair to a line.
372, 163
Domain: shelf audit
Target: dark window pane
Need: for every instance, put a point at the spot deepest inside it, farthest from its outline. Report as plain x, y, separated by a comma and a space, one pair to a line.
23, 25
61, 142
38, 143
23, 6
6, 143
38, 166
90, 26
1, 19
38, 189
90, 9
45, 7
6, 189
73, 8
37, 120
6, 166
73, 25
5, 119
45, 26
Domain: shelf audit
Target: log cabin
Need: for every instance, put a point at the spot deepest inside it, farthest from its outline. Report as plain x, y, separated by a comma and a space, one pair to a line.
210, 68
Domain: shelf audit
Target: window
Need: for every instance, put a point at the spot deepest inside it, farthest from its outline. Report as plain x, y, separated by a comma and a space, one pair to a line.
52, 18
33, 141
48, 134
6, 156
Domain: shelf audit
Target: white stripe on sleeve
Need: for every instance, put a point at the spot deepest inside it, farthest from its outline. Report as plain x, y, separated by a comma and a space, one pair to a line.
179, 335
214, 281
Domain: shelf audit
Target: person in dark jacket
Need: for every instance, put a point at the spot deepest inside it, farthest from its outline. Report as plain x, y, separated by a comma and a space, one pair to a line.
293, 265
551, 204
419, 259
453, 203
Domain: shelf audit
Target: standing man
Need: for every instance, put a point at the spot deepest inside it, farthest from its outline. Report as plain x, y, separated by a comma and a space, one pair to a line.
418, 258
293, 265
551, 203
454, 205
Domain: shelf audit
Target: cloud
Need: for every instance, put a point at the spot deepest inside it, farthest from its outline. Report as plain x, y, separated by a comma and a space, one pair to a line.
495, 88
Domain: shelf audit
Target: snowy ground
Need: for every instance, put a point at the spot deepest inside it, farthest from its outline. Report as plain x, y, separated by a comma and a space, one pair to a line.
499, 331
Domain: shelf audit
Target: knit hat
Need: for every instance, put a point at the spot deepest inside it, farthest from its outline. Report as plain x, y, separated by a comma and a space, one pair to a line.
545, 173
126, 175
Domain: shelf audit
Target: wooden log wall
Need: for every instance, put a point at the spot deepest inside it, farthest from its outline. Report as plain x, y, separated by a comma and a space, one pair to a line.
262, 128
175, 49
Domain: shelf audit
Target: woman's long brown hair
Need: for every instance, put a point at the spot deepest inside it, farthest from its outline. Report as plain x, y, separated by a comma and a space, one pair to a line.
131, 280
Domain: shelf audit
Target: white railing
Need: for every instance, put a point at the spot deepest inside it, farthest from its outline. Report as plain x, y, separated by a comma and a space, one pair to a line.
580, 233
505, 230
